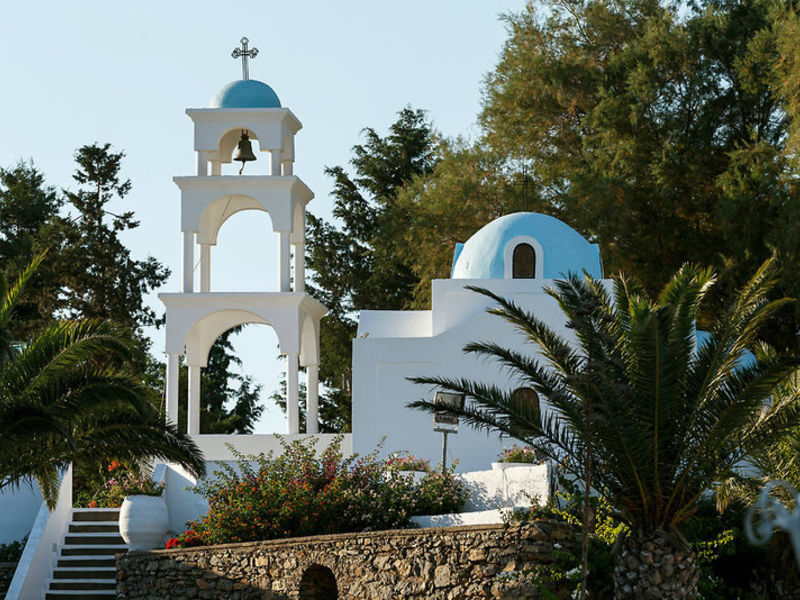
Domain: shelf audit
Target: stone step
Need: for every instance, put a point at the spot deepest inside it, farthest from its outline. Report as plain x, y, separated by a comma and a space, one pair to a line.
94, 573
93, 539
85, 550
94, 527
76, 594
95, 514
86, 561
83, 585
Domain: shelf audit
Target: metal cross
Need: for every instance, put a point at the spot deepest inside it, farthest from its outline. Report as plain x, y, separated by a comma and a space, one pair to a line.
524, 181
245, 54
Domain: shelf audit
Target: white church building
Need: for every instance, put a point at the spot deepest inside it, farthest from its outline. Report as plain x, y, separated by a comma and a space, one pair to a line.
516, 256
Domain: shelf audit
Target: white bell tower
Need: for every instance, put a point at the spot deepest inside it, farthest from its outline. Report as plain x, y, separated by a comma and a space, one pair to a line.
243, 110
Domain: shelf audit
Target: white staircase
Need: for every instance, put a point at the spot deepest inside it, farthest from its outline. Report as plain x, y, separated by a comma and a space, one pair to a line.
86, 562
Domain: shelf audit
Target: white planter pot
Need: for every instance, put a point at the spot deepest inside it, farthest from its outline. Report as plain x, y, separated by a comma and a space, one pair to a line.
502, 466
143, 521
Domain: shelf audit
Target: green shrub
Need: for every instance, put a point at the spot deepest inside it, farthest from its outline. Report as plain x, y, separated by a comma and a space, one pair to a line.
730, 567
116, 481
519, 454
298, 493
12, 551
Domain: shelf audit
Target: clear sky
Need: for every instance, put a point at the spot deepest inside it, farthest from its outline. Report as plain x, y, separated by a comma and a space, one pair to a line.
73, 73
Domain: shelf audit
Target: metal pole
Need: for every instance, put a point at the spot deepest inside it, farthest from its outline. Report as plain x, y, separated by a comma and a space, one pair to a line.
444, 451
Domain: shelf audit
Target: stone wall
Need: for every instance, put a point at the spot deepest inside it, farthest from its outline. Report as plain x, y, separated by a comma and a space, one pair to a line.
481, 561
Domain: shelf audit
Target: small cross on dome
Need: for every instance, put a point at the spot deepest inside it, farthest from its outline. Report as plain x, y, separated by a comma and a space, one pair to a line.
245, 54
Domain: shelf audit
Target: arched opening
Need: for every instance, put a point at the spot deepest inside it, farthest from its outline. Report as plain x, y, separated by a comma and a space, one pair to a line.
228, 146
243, 372
246, 256
524, 262
525, 402
318, 583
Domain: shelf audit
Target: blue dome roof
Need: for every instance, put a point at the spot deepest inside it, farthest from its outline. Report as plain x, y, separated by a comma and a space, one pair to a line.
563, 250
246, 93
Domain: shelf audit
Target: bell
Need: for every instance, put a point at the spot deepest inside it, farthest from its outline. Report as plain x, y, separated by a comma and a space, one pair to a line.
244, 152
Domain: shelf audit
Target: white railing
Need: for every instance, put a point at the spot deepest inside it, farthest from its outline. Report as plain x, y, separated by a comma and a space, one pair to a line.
35, 567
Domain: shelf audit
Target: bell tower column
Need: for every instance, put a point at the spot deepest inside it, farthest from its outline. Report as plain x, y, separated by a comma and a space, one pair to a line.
172, 388
188, 262
193, 413
312, 398
292, 394
283, 258
205, 267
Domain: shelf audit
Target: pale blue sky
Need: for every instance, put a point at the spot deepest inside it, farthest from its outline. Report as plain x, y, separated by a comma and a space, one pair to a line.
77, 72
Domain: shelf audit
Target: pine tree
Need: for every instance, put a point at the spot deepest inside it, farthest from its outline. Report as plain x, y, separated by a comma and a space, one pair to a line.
355, 261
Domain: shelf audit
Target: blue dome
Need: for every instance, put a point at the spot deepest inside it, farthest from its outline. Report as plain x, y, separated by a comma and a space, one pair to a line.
246, 93
559, 248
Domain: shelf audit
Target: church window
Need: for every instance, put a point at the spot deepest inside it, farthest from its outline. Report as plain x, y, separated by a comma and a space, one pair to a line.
524, 262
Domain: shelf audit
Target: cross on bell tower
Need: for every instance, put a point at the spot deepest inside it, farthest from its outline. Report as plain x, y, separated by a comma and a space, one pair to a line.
245, 54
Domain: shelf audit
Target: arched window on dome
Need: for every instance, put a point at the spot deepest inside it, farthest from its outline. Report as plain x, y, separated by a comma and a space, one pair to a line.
524, 400
524, 262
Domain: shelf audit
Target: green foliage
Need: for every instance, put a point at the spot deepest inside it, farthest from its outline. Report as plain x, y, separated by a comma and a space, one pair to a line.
298, 493
12, 551
404, 461
30, 224
229, 401
567, 506
354, 261
731, 567
116, 482
667, 420
72, 393
468, 187
519, 454
106, 282
89, 273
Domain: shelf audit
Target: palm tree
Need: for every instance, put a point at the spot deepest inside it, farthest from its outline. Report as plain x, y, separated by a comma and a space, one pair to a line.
666, 419
69, 393
779, 460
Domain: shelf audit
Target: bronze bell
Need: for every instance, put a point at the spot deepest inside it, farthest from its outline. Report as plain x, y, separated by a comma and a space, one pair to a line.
244, 152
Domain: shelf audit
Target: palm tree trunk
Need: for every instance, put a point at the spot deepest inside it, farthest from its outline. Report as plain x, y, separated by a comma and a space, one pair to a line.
656, 564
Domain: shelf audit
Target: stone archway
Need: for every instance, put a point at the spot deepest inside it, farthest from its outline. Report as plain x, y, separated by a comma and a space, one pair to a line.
318, 583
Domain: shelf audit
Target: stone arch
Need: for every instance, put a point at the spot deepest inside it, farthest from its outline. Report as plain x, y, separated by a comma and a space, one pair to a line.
318, 583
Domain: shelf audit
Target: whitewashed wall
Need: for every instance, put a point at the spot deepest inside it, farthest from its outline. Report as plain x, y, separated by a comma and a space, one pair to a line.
383, 360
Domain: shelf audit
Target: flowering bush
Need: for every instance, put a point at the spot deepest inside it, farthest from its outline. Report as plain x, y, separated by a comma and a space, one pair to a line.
407, 462
123, 481
299, 493
519, 454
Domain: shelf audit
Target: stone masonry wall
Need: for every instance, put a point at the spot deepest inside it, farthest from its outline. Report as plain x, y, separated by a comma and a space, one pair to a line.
481, 561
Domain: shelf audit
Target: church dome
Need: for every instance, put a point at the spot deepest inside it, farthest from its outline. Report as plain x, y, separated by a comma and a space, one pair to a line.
246, 93
557, 249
